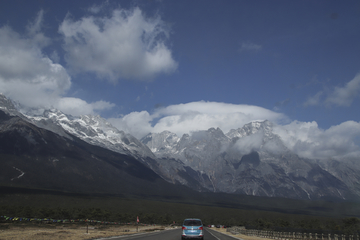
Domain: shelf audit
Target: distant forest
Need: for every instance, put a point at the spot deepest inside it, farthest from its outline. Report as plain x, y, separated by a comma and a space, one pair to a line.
125, 211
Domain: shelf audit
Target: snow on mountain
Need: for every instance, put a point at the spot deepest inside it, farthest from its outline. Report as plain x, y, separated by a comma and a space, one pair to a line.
250, 128
8, 106
250, 160
160, 143
92, 129
95, 130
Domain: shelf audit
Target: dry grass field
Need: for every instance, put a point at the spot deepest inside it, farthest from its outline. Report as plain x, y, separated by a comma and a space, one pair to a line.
73, 232
239, 236
80, 232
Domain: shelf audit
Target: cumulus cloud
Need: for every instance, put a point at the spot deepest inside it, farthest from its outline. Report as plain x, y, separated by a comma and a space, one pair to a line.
307, 140
26, 75
33, 79
194, 116
125, 45
76, 106
338, 96
137, 124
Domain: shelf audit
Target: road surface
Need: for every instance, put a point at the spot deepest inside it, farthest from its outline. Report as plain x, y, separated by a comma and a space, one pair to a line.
173, 234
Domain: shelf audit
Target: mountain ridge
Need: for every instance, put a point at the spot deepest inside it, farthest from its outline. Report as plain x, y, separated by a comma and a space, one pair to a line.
36, 158
250, 160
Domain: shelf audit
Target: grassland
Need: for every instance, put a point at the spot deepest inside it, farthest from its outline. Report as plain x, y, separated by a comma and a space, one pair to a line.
70, 231
231, 210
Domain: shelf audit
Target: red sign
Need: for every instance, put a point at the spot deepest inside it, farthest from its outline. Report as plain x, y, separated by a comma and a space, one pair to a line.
137, 219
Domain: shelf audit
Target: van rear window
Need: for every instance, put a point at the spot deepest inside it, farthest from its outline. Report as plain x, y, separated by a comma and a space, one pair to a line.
192, 223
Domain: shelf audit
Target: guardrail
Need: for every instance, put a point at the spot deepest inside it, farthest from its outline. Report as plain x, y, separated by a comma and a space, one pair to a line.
290, 235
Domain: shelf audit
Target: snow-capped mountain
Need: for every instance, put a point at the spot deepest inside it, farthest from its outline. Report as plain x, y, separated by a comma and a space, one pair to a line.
253, 160
34, 159
94, 130
97, 131
250, 160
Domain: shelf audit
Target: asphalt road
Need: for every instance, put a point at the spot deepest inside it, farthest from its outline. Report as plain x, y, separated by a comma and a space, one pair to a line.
174, 234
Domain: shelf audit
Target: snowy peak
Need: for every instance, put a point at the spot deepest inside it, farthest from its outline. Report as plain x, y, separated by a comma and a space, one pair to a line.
92, 129
97, 131
158, 142
251, 128
258, 136
8, 106
211, 141
250, 160
169, 144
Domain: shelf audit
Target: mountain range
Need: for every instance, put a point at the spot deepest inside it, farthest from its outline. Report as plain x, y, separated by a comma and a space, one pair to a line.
45, 148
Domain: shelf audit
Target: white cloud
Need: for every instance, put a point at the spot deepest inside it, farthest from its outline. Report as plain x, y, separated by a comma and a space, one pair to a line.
307, 140
34, 31
126, 45
248, 46
97, 8
303, 138
137, 124
339, 96
34, 80
344, 96
55, 57
102, 105
76, 106
250, 143
185, 118
26, 75
314, 100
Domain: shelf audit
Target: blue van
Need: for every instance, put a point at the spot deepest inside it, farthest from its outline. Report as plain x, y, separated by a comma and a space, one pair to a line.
192, 228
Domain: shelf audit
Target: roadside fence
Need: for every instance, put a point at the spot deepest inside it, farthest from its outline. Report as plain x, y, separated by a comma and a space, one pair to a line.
290, 235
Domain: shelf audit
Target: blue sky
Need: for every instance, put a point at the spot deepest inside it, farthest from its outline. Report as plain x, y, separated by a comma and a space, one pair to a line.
188, 65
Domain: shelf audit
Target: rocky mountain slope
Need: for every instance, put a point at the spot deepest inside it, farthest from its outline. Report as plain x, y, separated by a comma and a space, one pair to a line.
96, 131
253, 160
35, 158
250, 160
